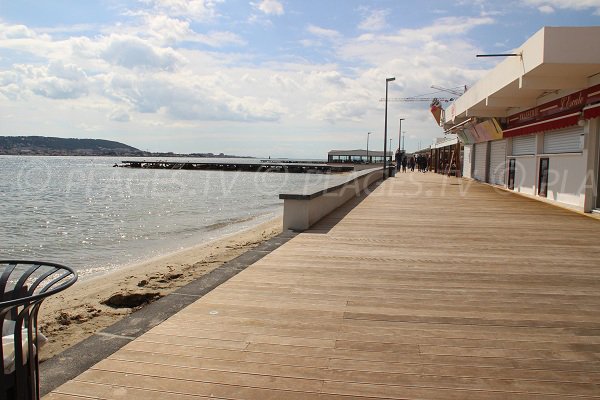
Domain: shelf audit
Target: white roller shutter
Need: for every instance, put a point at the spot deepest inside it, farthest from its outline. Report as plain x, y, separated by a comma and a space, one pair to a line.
567, 140
480, 164
523, 145
497, 162
467, 161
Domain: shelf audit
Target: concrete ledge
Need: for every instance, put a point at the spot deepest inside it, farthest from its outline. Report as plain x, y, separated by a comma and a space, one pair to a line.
303, 209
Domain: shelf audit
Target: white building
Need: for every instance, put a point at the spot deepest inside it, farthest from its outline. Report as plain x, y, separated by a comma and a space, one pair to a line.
532, 124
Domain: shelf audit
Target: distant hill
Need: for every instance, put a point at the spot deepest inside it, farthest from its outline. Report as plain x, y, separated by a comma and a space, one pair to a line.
41, 145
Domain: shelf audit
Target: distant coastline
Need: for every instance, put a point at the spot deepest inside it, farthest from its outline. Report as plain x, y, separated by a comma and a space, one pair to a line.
54, 146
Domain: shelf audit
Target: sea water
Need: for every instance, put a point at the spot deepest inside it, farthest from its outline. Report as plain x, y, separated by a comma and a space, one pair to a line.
84, 213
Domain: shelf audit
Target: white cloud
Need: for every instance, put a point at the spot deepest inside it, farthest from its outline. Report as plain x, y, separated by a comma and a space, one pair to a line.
26, 40
443, 34
15, 32
545, 6
133, 52
219, 39
269, 7
546, 9
55, 81
345, 110
198, 10
323, 32
11, 84
56, 88
119, 115
310, 43
375, 21
190, 97
418, 58
324, 79
164, 29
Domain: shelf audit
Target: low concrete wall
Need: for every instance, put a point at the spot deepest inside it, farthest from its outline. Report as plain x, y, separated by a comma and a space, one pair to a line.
301, 210
362, 167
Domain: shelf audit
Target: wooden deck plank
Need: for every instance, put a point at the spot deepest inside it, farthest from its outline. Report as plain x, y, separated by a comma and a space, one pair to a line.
430, 288
192, 374
228, 390
435, 336
228, 355
283, 377
285, 367
107, 391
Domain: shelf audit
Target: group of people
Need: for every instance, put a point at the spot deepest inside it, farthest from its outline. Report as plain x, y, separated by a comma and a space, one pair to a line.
420, 161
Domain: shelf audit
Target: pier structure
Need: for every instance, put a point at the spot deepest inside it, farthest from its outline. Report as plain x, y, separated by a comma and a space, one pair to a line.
241, 165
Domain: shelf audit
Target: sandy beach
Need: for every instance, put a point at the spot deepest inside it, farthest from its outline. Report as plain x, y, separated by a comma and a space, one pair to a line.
82, 310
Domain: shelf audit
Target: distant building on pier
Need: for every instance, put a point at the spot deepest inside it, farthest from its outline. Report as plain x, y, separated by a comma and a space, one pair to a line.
357, 156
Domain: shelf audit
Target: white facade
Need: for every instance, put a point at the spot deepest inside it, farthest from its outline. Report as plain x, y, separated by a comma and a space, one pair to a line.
567, 167
547, 102
467, 161
480, 162
497, 162
573, 155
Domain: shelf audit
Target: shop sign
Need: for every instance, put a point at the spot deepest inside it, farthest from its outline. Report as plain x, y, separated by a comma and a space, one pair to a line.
480, 132
573, 102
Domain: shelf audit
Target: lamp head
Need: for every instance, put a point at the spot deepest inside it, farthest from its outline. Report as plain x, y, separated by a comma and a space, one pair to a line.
390, 79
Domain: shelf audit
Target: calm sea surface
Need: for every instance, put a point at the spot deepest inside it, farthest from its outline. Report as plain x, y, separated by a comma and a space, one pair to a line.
82, 212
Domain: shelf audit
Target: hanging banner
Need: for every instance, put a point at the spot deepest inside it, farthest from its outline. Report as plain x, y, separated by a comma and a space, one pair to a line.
470, 132
488, 130
464, 138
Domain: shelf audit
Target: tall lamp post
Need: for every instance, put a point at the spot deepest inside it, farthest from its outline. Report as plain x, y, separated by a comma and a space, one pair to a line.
400, 134
391, 151
387, 81
368, 134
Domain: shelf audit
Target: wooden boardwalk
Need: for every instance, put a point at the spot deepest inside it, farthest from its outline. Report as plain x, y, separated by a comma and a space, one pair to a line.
429, 288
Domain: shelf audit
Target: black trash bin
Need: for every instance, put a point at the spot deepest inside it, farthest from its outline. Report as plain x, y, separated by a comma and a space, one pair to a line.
23, 286
391, 171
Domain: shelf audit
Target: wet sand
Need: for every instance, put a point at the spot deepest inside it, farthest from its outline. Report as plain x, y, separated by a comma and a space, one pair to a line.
81, 310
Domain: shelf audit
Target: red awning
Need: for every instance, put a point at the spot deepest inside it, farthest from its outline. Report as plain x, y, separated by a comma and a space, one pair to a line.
591, 112
548, 125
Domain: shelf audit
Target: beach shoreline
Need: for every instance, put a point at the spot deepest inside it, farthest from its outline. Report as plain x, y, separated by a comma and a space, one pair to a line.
96, 303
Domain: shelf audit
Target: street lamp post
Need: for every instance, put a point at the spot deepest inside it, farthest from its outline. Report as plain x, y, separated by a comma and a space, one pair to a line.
387, 81
368, 134
400, 134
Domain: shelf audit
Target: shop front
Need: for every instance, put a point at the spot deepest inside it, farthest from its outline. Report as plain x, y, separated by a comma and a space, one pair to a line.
532, 124
552, 145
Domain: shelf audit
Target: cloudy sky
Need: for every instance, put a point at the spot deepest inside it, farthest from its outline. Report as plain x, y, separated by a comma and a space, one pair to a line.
280, 78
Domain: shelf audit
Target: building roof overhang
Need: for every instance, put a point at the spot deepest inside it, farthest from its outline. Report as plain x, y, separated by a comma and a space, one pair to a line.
553, 59
358, 153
